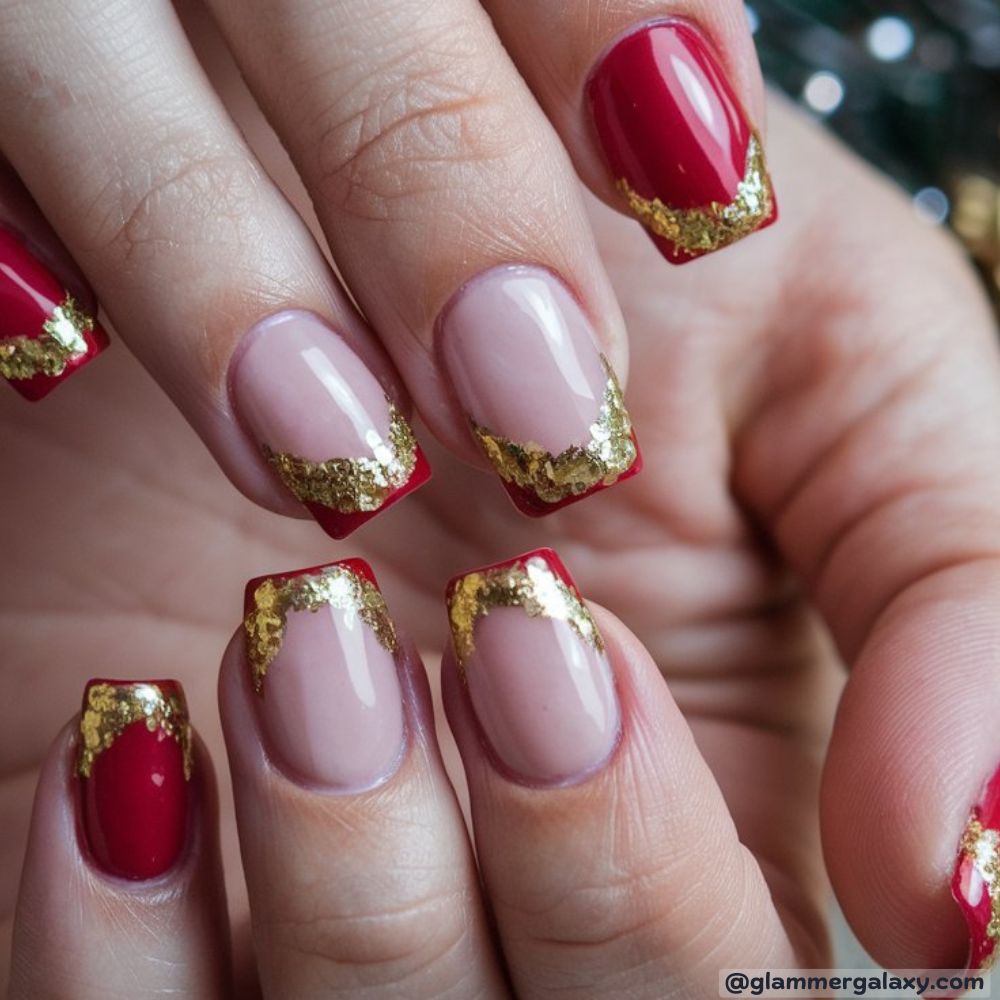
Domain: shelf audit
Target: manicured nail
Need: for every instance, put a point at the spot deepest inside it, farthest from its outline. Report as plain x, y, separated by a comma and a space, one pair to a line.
542, 401
135, 765
535, 666
45, 335
976, 882
324, 422
688, 162
321, 651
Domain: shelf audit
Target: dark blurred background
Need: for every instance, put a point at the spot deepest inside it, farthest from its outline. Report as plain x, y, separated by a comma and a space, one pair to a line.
914, 87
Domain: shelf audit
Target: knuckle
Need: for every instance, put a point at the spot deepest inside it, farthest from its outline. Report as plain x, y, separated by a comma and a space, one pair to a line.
190, 192
391, 946
404, 129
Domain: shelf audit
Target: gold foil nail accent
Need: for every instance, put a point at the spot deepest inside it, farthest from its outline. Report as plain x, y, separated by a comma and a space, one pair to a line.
982, 847
61, 341
531, 586
353, 485
111, 708
333, 586
609, 453
700, 230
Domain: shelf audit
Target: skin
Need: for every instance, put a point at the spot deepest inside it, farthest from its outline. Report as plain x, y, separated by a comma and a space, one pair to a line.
819, 413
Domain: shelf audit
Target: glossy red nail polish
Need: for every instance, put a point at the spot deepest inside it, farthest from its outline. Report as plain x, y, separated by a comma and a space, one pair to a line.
976, 882
339, 524
134, 762
45, 335
684, 155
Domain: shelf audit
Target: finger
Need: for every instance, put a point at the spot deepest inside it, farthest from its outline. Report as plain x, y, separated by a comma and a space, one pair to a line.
48, 330
660, 103
359, 869
874, 468
596, 818
456, 220
122, 892
201, 264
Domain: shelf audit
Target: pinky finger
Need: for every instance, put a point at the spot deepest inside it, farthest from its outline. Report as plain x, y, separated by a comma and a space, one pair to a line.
121, 894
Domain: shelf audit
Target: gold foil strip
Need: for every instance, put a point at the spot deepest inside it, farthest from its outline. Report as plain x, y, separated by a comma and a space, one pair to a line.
352, 485
111, 708
531, 586
982, 847
699, 230
609, 453
334, 586
61, 341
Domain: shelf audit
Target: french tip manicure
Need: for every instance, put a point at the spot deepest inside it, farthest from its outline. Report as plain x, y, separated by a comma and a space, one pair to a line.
542, 401
134, 760
46, 336
340, 525
355, 565
544, 552
534, 664
529, 503
323, 422
687, 162
321, 651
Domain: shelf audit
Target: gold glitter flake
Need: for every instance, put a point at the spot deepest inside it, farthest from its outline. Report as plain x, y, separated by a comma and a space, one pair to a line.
334, 586
353, 485
111, 708
531, 586
609, 453
699, 230
61, 341
982, 847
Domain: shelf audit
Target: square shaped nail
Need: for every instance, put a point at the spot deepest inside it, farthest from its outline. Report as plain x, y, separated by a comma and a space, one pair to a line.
682, 151
45, 334
323, 422
134, 761
542, 402
535, 665
321, 652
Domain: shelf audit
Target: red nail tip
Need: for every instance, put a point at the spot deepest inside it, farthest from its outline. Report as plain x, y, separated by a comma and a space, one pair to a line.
533, 506
975, 885
356, 566
135, 796
33, 359
547, 555
339, 526
678, 142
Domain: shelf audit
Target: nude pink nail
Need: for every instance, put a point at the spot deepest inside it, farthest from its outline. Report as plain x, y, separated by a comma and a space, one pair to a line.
324, 422
321, 651
541, 399
534, 661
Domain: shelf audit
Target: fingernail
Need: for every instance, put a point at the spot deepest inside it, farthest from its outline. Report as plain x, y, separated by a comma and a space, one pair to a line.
683, 153
45, 335
135, 765
542, 401
321, 651
534, 662
976, 882
324, 422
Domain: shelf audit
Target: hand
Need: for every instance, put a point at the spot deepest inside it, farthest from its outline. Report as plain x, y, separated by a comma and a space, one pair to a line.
829, 385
